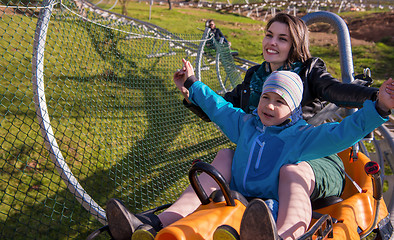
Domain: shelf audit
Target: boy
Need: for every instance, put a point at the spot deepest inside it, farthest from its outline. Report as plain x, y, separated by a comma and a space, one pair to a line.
275, 133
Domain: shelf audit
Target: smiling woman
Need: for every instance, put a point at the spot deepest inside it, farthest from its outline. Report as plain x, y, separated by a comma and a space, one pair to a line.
277, 44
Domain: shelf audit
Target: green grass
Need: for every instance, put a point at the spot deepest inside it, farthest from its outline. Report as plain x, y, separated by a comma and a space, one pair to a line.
244, 33
109, 106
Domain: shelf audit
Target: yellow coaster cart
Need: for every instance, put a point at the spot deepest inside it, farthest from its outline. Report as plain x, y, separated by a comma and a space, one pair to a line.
359, 211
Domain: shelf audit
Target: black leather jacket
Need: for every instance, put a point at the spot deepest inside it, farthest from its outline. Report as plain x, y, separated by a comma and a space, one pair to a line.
218, 35
319, 87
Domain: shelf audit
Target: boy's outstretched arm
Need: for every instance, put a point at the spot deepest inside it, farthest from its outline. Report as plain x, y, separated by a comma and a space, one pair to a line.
385, 102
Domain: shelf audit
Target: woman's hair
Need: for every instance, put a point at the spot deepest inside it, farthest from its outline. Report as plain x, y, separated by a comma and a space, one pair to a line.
299, 34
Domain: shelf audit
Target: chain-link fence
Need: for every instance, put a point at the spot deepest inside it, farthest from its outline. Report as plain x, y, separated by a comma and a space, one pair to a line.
89, 112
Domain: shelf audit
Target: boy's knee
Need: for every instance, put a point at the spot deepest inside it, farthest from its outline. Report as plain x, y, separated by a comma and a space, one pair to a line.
295, 172
289, 171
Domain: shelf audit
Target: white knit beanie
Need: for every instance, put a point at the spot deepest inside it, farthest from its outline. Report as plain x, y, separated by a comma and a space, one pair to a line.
288, 85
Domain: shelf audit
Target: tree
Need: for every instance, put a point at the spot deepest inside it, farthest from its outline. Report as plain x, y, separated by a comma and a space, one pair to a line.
169, 4
123, 3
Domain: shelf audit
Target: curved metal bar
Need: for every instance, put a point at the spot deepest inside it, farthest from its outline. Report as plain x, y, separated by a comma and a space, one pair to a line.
98, 2
215, 175
116, 2
43, 115
217, 63
387, 135
343, 36
200, 50
344, 44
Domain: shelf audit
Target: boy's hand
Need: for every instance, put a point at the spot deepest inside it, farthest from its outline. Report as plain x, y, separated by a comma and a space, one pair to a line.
180, 77
386, 95
188, 68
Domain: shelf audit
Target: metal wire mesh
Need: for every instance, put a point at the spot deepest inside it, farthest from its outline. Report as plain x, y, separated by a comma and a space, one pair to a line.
114, 114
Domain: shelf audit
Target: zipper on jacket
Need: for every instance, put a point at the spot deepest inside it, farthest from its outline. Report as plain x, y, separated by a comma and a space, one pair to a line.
251, 154
248, 166
260, 152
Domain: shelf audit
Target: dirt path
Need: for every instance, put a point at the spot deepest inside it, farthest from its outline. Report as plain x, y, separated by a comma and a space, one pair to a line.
371, 28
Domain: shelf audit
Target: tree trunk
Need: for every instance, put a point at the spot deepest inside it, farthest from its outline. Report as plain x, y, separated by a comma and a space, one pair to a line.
169, 5
123, 3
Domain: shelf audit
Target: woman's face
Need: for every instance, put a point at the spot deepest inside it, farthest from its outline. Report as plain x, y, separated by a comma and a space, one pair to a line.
277, 44
272, 109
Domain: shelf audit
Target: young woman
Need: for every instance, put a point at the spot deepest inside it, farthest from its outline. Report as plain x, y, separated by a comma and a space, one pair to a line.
285, 47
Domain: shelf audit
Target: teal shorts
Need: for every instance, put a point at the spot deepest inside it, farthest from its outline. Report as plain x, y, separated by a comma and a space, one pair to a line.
329, 177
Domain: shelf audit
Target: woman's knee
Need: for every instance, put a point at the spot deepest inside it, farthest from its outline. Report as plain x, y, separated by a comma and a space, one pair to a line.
223, 157
225, 152
223, 161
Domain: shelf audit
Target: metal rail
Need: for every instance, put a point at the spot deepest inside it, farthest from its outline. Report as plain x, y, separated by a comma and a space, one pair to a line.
43, 115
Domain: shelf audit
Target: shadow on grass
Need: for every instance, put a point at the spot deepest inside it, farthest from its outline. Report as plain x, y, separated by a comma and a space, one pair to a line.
151, 173
149, 170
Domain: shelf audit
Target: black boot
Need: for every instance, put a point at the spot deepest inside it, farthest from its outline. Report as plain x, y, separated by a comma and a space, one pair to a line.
122, 223
258, 222
150, 219
149, 229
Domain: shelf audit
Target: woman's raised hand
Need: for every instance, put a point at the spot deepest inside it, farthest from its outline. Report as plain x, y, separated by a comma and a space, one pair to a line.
390, 89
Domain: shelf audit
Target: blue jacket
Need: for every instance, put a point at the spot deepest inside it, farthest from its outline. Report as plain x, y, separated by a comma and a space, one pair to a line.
262, 150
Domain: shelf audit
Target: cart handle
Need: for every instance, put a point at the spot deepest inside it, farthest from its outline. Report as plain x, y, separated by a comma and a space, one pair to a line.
199, 167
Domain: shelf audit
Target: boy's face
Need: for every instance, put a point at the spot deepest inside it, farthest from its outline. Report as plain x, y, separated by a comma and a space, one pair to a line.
273, 109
